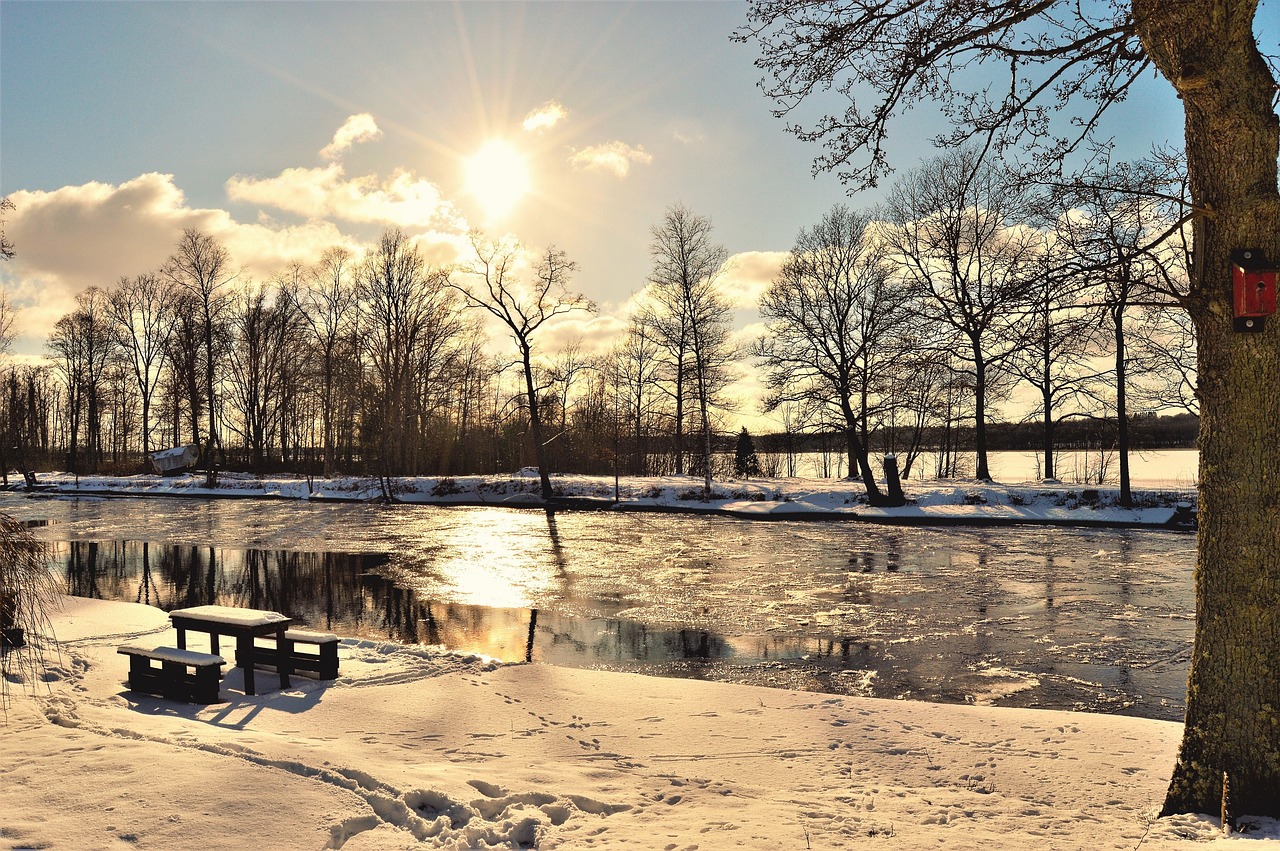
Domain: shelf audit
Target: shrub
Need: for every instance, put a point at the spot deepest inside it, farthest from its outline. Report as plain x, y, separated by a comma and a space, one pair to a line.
27, 595
446, 486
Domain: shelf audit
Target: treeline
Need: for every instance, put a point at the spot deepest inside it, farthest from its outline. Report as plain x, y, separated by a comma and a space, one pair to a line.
1147, 431
898, 330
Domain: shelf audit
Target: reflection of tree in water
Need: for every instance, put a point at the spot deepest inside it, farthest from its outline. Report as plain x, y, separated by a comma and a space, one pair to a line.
321, 590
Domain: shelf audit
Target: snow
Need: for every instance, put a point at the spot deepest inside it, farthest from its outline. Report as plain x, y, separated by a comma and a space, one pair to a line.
231, 616
417, 748
171, 654
951, 501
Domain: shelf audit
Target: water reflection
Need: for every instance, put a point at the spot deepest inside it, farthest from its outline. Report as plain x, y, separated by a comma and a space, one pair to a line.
345, 593
1027, 616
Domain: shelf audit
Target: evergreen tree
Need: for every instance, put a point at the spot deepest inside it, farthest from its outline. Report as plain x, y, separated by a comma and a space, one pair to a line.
745, 462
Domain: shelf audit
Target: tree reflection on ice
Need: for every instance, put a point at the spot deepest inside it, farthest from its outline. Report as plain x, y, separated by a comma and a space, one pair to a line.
1031, 616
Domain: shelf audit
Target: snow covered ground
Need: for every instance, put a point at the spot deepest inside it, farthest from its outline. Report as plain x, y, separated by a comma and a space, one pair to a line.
931, 501
415, 748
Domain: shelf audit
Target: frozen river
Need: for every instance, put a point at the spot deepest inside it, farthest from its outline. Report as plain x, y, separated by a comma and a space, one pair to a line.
1098, 620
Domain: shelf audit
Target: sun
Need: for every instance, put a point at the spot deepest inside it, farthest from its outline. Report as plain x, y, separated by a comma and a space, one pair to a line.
497, 176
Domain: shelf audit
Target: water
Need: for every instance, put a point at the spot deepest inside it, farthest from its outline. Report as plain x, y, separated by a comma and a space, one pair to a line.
1097, 620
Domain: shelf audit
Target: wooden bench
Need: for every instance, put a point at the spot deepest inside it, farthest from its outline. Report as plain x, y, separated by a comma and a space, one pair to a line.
181, 674
309, 652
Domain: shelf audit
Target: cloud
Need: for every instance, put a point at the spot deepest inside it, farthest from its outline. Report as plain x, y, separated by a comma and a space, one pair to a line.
357, 128
77, 236
612, 157
402, 199
593, 333
545, 117
95, 233
746, 276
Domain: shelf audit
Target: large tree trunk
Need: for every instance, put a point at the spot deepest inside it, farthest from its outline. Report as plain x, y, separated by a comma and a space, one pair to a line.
1207, 50
859, 462
983, 470
1122, 408
1046, 445
680, 416
535, 424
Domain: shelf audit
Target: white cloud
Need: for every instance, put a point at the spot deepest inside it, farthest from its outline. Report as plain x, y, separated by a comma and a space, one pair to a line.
746, 276
402, 199
94, 234
357, 128
593, 333
77, 236
612, 157
545, 117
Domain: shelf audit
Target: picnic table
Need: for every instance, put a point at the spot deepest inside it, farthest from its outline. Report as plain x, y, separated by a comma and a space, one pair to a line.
242, 624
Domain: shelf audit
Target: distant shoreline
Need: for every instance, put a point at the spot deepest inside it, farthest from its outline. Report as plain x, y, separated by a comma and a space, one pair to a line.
934, 503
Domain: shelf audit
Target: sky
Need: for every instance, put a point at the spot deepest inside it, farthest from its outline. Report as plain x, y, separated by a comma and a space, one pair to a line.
286, 128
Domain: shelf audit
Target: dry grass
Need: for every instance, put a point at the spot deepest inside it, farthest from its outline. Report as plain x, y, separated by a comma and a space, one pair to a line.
27, 594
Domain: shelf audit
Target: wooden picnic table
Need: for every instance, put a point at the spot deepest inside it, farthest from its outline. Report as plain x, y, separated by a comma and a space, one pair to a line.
244, 625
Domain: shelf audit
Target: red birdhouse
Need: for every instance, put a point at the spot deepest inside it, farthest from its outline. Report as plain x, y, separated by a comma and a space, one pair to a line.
1253, 282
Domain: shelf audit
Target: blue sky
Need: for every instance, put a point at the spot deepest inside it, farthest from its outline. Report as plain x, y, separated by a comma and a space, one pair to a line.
121, 123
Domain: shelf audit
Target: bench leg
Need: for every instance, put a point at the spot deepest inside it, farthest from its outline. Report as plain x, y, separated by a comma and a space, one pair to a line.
172, 688
284, 660
244, 660
207, 681
329, 661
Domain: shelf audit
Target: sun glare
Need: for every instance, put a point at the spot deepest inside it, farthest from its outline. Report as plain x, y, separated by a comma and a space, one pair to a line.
498, 177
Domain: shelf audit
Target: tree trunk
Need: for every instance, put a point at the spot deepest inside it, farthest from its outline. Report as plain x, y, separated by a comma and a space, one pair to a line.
211, 478
858, 460
982, 472
1047, 444
1207, 50
1122, 409
680, 416
535, 424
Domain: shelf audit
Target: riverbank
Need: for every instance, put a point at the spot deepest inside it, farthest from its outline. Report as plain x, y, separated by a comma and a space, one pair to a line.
413, 748
936, 502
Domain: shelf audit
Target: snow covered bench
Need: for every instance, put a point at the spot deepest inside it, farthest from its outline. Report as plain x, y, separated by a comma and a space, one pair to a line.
312, 652
181, 675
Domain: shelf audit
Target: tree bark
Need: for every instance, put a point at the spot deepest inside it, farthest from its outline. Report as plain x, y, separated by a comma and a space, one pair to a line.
1206, 49
535, 423
983, 470
1122, 407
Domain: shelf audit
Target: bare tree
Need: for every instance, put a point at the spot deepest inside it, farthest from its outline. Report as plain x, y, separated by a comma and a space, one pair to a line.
567, 365
1117, 239
1086, 56
690, 321
410, 317
8, 333
264, 326
200, 266
1165, 344
636, 364
831, 314
6, 246
142, 317
183, 380
523, 305
1060, 344
330, 307
84, 345
956, 230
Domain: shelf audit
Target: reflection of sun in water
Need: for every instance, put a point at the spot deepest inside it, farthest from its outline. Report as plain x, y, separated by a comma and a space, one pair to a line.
498, 177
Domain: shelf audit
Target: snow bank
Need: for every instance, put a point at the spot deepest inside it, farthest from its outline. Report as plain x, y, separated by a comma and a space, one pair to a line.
416, 748
932, 502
